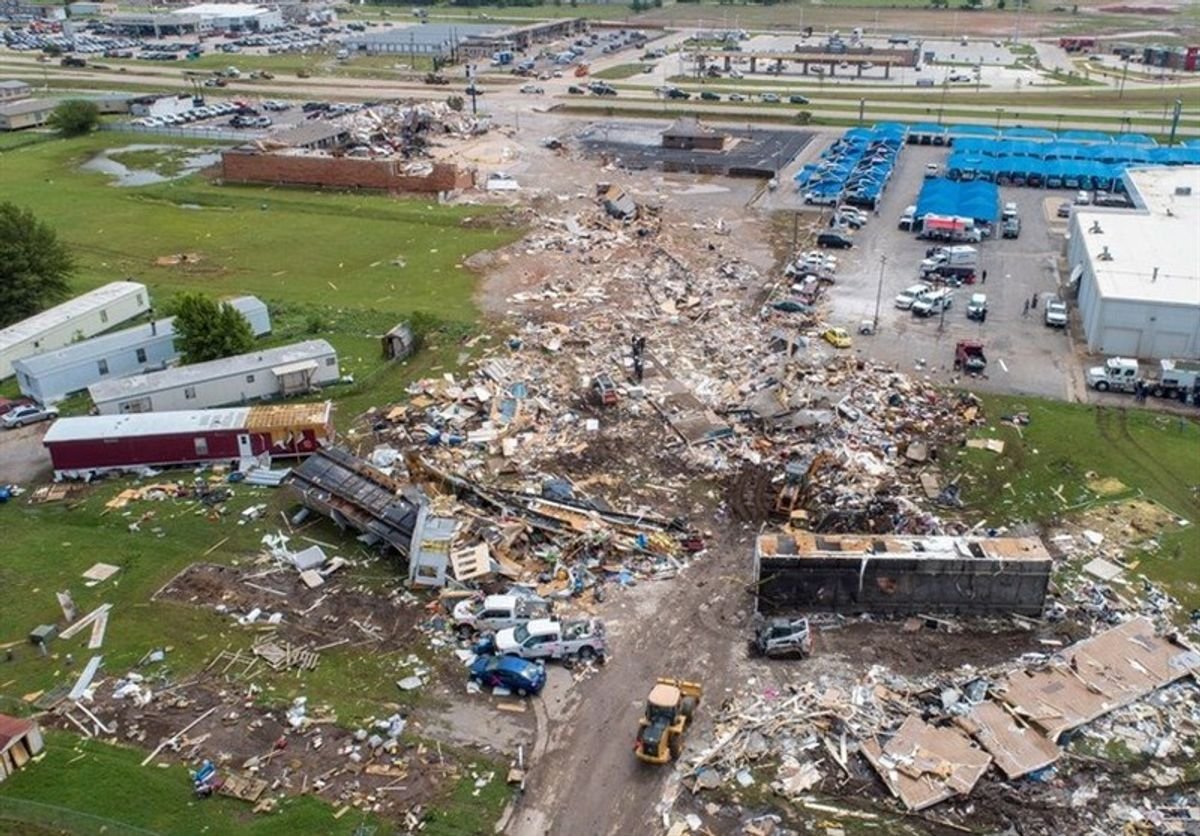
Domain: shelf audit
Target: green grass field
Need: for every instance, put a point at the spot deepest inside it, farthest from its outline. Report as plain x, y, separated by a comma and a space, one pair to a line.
362, 262
1067, 445
620, 71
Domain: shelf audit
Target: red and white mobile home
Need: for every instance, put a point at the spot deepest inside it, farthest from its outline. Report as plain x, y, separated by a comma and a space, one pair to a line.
90, 444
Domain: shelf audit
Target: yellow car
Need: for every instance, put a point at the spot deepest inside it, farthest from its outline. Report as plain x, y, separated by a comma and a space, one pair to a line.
836, 337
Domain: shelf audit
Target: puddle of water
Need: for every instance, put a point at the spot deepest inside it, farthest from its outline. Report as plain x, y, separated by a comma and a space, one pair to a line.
124, 176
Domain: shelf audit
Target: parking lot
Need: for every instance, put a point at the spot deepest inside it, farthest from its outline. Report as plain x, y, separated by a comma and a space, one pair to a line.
1025, 356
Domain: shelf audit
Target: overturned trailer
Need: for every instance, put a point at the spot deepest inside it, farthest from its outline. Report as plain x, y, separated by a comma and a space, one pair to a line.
893, 574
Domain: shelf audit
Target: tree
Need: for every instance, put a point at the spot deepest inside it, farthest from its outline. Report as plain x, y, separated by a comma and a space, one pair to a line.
75, 117
34, 264
208, 330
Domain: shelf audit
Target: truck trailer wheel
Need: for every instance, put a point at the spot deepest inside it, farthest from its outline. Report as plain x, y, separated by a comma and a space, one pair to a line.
1102, 385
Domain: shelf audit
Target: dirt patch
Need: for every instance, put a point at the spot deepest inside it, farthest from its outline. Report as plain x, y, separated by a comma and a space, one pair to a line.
339, 611
1138, 10
394, 779
929, 651
176, 259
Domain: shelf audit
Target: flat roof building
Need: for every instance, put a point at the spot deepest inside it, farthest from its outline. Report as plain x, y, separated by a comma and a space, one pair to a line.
11, 88
293, 369
84, 316
898, 574
1138, 270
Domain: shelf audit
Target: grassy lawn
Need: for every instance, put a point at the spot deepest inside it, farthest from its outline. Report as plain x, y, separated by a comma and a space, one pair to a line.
1065, 447
620, 71
359, 262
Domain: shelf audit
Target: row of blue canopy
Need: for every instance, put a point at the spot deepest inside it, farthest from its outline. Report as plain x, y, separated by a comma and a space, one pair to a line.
973, 199
957, 133
856, 167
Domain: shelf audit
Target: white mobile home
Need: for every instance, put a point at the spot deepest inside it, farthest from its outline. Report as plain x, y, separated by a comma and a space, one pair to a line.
277, 372
84, 316
53, 375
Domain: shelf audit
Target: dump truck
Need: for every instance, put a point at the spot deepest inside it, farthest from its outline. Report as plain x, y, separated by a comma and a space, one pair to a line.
1173, 378
669, 710
969, 357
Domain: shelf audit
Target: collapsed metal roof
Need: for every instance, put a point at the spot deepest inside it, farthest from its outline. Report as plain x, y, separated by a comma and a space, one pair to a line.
356, 495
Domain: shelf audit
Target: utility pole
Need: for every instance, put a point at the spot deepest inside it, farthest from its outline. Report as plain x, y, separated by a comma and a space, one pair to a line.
879, 294
1124, 76
1175, 120
862, 105
795, 232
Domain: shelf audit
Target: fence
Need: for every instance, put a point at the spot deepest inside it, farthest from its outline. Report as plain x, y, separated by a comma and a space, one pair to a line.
182, 132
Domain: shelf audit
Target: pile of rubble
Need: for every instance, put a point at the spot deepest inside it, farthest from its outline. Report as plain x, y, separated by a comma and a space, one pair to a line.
408, 129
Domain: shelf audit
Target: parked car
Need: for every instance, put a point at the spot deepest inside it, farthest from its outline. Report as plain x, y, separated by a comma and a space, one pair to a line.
836, 240
518, 675
710, 96
932, 170
908, 296
1083, 198
576, 90
1064, 209
819, 199
837, 337
771, 98
27, 414
737, 97
1056, 313
797, 100
1011, 228
676, 93
497, 612
532, 89
545, 638
977, 307
933, 303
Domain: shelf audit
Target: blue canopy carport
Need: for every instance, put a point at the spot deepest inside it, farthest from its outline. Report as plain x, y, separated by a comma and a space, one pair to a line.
1040, 134
1138, 139
1086, 136
927, 133
977, 200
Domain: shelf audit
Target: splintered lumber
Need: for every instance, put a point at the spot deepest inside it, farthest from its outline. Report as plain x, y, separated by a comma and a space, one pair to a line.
98, 628
167, 741
78, 626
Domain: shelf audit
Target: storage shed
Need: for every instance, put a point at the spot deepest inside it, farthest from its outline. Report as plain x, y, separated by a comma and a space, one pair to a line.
84, 316
293, 369
53, 375
86, 445
20, 741
11, 89
1138, 270
688, 134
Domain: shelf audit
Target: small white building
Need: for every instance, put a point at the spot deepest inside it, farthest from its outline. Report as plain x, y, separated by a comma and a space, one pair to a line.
53, 375
84, 316
12, 89
1138, 270
294, 369
164, 105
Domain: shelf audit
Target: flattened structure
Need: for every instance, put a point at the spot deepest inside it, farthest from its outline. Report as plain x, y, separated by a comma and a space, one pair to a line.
923, 765
355, 495
1018, 748
1097, 676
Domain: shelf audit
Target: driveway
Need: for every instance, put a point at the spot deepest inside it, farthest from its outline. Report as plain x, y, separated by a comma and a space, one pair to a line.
23, 459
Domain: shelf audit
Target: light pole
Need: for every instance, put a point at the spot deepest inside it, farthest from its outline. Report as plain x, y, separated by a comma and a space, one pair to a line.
1124, 76
879, 294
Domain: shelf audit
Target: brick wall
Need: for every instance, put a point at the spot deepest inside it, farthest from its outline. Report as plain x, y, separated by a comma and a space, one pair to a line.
340, 172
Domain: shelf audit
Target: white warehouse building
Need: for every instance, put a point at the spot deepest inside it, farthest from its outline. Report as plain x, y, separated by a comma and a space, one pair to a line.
84, 316
51, 376
294, 369
1138, 270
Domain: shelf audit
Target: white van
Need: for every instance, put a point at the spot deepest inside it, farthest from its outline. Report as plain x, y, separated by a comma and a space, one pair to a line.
1010, 211
906, 298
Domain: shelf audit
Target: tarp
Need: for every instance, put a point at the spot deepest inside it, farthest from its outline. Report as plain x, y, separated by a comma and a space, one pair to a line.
973, 199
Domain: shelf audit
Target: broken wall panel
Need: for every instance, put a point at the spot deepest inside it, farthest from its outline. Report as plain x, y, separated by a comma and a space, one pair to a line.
1098, 675
900, 575
924, 765
1017, 748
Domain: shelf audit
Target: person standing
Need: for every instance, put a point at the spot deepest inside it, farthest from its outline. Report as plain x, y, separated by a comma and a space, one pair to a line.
983, 277
1026, 311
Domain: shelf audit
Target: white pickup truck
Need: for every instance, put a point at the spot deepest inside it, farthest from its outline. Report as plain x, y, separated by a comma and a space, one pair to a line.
545, 638
497, 612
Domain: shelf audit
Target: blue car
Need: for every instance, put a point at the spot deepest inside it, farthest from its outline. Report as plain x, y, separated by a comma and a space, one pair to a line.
520, 676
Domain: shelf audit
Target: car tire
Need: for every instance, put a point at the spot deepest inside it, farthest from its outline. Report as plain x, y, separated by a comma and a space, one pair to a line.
587, 654
1102, 386
522, 692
